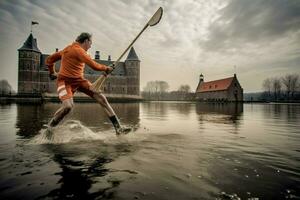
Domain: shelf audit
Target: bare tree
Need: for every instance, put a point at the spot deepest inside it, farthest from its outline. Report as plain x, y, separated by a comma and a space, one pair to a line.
163, 86
5, 87
184, 88
150, 87
294, 84
267, 86
155, 89
287, 82
291, 82
276, 87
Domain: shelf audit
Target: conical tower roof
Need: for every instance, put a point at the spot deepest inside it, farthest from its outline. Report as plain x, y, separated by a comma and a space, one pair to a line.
132, 55
30, 44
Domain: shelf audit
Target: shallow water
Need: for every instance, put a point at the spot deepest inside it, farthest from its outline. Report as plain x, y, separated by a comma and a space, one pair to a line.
177, 151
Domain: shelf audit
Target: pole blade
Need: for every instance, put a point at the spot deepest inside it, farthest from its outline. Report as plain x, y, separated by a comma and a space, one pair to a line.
156, 17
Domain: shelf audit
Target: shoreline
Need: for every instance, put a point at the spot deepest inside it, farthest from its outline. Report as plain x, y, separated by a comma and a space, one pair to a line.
39, 99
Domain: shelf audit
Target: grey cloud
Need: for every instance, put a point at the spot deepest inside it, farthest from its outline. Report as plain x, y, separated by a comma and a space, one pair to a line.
255, 21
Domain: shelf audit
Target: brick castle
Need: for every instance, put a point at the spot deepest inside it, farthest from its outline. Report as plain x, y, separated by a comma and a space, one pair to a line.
33, 75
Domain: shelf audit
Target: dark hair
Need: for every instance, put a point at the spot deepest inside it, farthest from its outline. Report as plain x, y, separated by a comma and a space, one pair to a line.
82, 37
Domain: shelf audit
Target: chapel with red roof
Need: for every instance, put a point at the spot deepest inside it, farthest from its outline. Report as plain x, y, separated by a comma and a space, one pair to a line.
227, 89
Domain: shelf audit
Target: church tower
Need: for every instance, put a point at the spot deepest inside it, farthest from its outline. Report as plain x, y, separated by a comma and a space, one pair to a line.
201, 80
132, 70
28, 67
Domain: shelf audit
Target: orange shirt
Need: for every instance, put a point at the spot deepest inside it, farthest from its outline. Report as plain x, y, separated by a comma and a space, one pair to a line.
73, 58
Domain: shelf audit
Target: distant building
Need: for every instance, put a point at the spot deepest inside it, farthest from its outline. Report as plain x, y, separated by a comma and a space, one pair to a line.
33, 75
228, 89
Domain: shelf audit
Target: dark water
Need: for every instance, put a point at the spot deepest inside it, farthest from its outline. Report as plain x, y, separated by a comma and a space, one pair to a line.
178, 151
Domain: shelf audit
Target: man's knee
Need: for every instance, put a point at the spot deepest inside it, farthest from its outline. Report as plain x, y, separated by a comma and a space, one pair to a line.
68, 106
100, 98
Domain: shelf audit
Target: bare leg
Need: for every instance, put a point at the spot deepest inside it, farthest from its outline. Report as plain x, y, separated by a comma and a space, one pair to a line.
101, 99
66, 107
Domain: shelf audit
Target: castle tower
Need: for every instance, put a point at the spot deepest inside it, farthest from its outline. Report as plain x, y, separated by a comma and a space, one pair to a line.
28, 66
132, 71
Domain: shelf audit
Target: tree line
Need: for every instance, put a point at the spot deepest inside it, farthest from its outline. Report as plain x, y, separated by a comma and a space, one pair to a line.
284, 88
159, 90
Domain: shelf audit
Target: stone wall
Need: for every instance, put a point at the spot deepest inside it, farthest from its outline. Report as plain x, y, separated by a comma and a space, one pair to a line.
213, 96
235, 91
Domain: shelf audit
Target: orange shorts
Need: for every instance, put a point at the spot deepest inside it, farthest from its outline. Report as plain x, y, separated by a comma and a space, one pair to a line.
66, 87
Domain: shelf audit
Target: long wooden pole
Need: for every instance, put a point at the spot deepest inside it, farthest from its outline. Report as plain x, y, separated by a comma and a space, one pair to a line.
96, 86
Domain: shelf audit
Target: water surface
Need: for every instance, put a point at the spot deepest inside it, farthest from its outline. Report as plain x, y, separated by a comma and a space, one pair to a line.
179, 150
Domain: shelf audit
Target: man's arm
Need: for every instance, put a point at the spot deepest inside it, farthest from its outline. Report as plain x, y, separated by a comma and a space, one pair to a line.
51, 60
84, 57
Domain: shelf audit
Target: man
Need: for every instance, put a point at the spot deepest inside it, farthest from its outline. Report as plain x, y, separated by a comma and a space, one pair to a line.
70, 79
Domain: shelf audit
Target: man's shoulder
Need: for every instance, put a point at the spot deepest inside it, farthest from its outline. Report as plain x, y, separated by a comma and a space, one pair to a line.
78, 49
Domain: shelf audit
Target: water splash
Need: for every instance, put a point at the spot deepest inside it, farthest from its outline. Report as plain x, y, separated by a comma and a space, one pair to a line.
74, 131
70, 131
224, 195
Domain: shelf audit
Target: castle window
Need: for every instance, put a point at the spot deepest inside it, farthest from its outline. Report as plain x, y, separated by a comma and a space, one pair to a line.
235, 84
216, 86
210, 87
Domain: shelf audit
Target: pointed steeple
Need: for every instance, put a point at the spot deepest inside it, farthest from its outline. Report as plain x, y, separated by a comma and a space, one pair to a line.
201, 78
132, 55
30, 44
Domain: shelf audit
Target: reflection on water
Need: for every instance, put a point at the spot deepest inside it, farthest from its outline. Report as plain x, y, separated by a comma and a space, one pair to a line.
229, 112
284, 112
31, 118
77, 175
233, 109
180, 150
220, 113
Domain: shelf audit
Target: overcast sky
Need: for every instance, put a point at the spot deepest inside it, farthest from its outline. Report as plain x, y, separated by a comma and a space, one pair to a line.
260, 37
